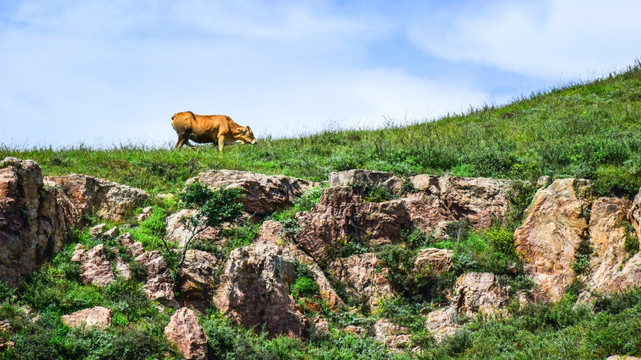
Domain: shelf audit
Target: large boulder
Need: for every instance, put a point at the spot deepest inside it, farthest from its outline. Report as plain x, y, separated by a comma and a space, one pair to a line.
255, 291
159, 284
273, 233
88, 194
96, 268
479, 293
392, 335
365, 277
553, 230
264, 194
433, 260
474, 293
439, 200
612, 268
197, 277
342, 215
94, 317
366, 179
32, 223
186, 333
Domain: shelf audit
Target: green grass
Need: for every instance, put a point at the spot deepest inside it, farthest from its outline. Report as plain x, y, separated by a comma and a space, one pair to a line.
590, 130
587, 130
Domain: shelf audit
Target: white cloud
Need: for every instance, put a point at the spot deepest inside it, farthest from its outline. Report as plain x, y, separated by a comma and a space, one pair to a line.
103, 73
569, 38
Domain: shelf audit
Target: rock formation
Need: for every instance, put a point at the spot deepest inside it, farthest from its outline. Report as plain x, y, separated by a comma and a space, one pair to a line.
186, 333
97, 316
32, 223
254, 291
264, 194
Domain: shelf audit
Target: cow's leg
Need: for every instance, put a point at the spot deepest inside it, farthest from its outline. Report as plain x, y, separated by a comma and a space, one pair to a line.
180, 143
221, 142
190, 145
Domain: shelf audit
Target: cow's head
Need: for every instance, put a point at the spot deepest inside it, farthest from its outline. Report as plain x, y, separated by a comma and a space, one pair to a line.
246, 135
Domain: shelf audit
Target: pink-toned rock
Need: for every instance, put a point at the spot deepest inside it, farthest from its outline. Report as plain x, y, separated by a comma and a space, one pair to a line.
122, 268
442, 322
33, 224
134, 248
96, 268
186, 333
426, 211
97, 316
321, 324
112, 233
474, 293
197, 277
365, 277
366, 179
144, 214
480, 200
479, 293
107, 199
177, 232
392, 335
264, 194
611, 269
433, 260
553, 230
97, 230
273, 233
622, 357
440, 200
254, 291
158, 285
342, 215
634, 214
356, 330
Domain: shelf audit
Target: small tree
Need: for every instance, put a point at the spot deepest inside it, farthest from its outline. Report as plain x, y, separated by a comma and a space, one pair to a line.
213, 209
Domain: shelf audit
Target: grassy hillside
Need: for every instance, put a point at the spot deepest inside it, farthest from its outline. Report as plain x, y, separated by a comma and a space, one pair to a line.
587, 130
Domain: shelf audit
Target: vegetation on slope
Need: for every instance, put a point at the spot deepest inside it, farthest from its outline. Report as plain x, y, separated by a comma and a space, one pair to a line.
586, 130
589, 130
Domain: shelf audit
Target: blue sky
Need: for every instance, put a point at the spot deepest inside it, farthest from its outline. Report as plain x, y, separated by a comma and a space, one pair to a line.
105, 73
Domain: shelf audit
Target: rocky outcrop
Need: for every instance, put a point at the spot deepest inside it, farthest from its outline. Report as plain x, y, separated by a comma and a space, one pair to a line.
474, 293
264, 194
365, 277
273, 233
87, 195
197, 278
611, 267
96, 268
392, 335
433, 260
186, 333
366, 179
634, 214
254, 291
479, 293
555, 226
342, 215
158, 285
32, 223
439, 200
95, 317
435, 201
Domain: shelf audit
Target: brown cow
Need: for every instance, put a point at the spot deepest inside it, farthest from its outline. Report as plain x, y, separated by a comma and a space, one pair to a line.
219, 129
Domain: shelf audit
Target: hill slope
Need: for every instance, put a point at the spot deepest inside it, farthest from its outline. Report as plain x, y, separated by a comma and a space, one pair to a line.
588, 131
